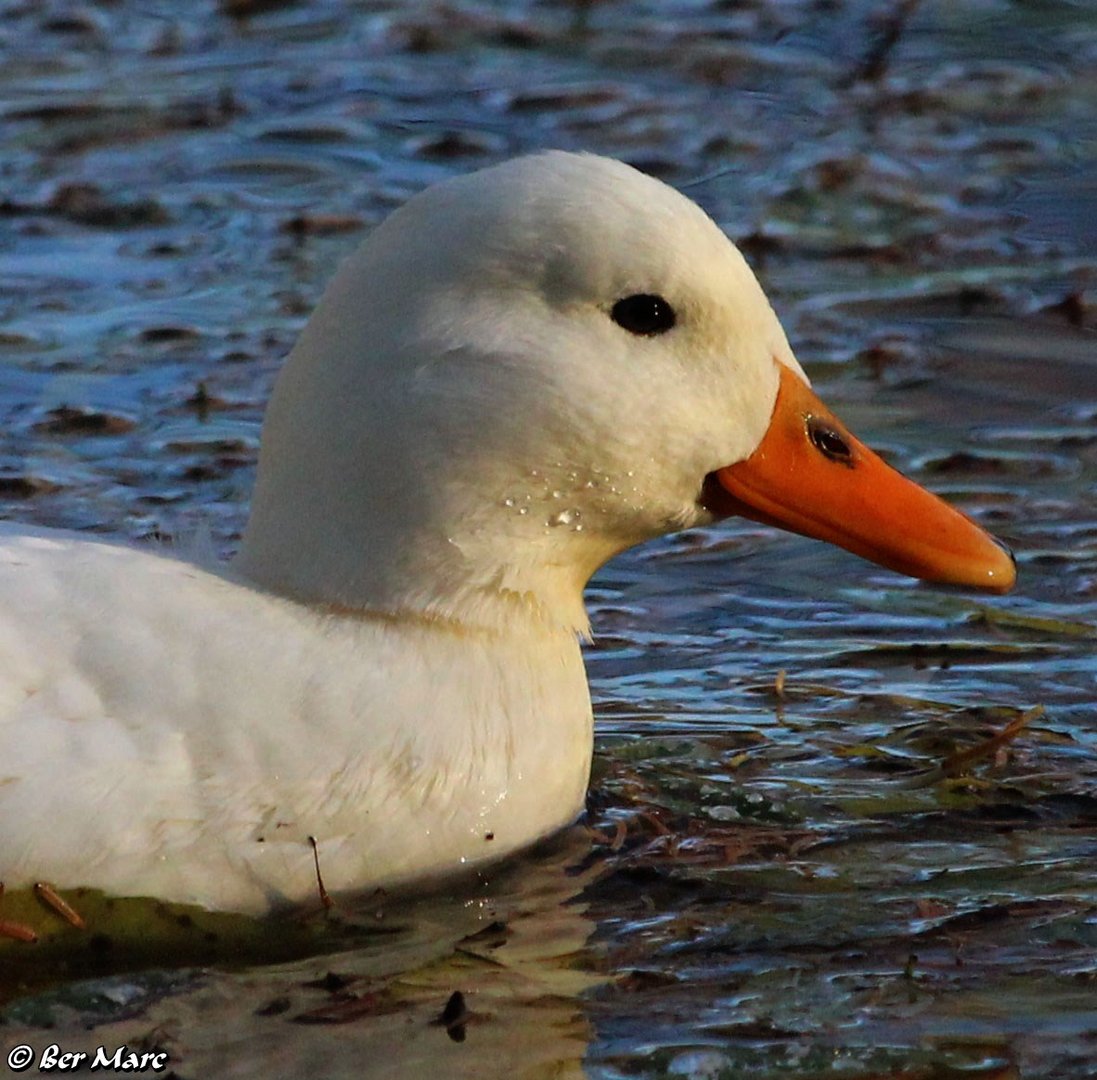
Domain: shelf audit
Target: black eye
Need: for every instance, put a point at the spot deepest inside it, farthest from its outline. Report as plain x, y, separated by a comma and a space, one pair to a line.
643, 314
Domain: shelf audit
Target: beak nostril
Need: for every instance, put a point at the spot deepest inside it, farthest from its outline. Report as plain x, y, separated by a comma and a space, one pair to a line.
828, 441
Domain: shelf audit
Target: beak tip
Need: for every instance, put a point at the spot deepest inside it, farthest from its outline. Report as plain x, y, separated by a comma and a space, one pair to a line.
1004, 580
1005, 577
998, 572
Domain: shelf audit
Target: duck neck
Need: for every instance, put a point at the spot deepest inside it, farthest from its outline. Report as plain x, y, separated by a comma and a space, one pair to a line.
468, 586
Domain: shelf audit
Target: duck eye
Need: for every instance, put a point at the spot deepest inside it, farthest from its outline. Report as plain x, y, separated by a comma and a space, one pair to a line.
643, 314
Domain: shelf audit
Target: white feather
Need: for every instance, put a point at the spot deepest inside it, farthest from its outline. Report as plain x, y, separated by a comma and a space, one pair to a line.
460, 438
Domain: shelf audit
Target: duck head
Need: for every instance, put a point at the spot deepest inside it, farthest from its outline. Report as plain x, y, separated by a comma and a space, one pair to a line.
524, 371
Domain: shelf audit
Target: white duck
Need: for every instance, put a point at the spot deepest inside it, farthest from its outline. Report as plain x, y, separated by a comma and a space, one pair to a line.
519, 374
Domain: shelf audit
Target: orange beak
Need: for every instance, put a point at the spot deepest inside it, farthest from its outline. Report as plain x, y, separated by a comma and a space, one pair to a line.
811, 476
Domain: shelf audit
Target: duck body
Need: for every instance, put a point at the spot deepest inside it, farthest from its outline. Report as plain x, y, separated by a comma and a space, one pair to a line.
519, 374
195, 745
